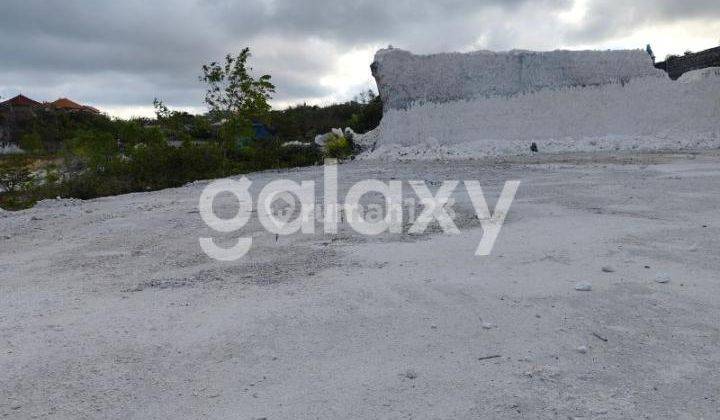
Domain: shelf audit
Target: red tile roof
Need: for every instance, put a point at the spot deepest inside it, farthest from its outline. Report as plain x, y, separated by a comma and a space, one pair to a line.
21, 100
65, 103
91, 109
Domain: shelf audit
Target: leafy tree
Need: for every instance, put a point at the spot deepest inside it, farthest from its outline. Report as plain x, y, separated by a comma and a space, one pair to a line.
91, 149
129, 133
32, 142
304, 122
236, 97
161, 111
232, 90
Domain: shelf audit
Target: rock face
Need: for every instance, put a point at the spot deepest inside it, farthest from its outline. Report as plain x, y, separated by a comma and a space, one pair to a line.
404, 78
492, 104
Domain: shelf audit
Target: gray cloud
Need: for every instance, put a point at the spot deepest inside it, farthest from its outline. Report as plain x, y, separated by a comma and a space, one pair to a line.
609, 18
125, 53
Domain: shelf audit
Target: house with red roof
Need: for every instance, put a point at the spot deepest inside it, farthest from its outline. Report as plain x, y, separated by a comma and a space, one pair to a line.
21, 101
62, 104
65, 104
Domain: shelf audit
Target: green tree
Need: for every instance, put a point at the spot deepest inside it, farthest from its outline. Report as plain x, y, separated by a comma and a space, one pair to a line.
236, 97
233, 90
32, 142
91, 149
161, 111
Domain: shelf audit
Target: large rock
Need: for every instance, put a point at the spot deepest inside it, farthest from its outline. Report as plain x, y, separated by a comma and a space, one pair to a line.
491, 104
404, 78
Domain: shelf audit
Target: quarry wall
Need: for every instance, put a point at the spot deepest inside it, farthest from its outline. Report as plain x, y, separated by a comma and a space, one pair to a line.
481, 104
404, 78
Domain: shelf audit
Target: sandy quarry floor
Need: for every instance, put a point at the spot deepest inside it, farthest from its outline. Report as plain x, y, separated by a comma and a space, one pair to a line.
109, 308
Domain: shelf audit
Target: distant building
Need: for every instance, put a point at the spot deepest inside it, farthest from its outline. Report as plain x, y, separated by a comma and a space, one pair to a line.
65, 104
62, 104
21, 114
21, 101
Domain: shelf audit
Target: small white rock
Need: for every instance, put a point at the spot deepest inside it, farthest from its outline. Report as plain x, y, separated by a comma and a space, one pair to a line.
662, 278
583, 286
582, 349
488, 325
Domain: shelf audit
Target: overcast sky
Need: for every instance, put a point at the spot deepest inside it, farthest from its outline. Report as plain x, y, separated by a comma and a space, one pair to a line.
119, 55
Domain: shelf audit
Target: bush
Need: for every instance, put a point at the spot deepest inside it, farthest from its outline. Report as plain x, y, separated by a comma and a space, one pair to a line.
304, 122
14, 175
32, 142
17, 183
338, 147
103, 157
90, 149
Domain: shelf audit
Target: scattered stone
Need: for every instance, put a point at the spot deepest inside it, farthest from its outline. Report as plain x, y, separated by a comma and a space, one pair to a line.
543, 372
582, 349
409, 374
583, 286
607, 269
662, 278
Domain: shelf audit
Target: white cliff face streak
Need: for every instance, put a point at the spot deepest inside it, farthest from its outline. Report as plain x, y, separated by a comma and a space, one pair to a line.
484, 103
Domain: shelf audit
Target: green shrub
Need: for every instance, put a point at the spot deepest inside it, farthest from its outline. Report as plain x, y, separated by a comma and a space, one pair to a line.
90, 149
338, 147
14, 176
16, 183
32, 142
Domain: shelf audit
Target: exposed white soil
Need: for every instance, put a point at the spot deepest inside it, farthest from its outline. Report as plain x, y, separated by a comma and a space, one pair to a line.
110, 309
643, 114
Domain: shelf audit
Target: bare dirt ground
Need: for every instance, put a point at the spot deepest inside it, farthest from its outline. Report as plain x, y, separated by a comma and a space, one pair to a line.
110, 309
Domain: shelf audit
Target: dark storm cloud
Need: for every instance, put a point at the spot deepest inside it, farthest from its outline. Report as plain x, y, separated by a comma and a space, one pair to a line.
125, 53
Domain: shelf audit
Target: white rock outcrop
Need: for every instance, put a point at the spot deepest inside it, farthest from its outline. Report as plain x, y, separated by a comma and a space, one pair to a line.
404, 78
597, 101
9, 148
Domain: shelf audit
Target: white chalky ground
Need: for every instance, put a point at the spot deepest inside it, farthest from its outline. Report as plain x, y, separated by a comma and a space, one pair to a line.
109, 308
